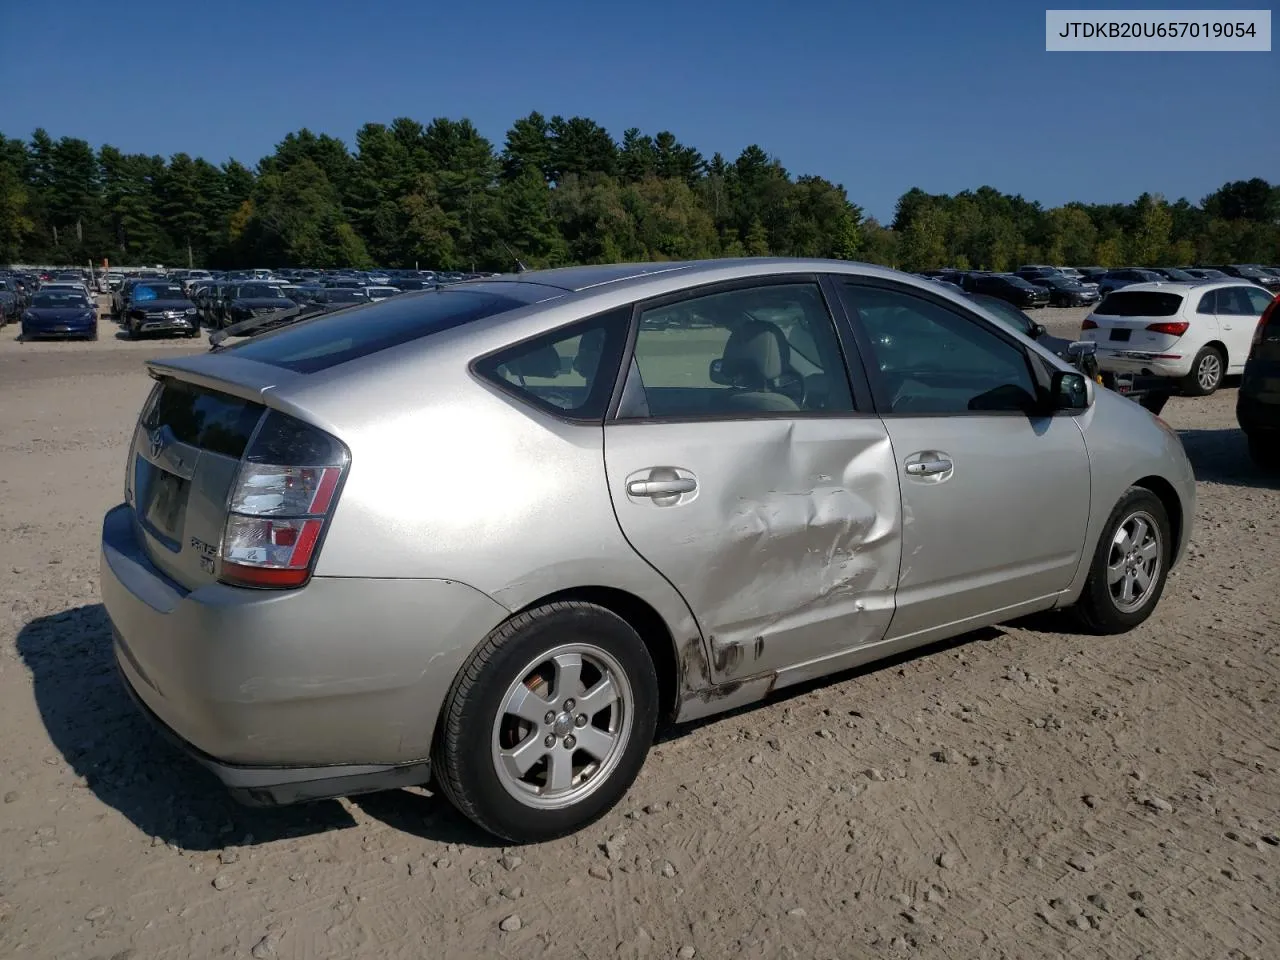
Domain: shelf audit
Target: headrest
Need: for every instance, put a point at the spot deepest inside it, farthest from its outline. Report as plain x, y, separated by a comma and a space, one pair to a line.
541, 362
755, 353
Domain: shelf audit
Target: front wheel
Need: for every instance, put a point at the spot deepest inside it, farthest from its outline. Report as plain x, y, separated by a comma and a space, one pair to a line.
1130, 565
548, 724
1207, 371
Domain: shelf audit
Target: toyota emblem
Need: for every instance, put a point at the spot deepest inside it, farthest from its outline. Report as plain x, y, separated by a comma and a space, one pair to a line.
157, 443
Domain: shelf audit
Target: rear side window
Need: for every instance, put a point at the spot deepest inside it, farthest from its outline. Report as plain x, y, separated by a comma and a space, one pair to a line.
337, 338
569, 372
1140, 303
213, 421
1234, 301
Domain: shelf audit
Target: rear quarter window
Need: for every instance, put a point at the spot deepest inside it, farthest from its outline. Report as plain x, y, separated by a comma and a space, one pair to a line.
1140, 303
336, 338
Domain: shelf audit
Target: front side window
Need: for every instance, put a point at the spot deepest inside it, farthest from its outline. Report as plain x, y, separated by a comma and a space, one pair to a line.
767, 350
932, 360
1234, 301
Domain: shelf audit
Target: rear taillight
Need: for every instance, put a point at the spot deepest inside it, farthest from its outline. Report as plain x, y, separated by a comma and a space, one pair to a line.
280, 502
1174, 328
1089, 324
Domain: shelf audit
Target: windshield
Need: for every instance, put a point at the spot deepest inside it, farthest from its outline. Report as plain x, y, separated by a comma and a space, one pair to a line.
1018, 282
59, 300
261, 291
1140, 303
158, 291
335, 338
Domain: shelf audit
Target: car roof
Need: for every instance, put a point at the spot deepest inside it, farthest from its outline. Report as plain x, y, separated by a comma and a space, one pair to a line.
1180, 286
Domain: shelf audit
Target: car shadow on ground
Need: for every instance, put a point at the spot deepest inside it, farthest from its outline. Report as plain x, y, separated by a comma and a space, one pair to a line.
130, 766
1222, 456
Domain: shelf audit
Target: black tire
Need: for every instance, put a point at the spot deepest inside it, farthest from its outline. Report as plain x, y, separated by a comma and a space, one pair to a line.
1264, 450
1097, 608
1191, 384
463, 763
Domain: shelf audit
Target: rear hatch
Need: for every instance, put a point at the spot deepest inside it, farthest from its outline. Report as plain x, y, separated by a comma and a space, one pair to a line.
1147, 321
184, 458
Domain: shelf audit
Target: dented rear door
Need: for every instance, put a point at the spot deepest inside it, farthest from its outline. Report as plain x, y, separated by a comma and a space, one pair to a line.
772, 507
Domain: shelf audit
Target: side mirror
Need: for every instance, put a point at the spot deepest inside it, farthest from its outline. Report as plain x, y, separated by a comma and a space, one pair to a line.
716, 373
1081, 348
1070, 391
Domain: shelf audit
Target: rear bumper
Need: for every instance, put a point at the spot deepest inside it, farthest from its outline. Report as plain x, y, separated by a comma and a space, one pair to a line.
1136, 362
265, 687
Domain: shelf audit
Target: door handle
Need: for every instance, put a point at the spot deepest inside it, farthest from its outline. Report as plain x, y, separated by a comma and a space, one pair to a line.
662, 488
928, 468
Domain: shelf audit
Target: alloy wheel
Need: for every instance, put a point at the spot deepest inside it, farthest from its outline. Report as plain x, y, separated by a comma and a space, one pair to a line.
563, 726
1209, 371
1133, 562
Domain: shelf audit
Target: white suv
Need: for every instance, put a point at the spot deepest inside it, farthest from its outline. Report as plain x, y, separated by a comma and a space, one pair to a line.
1197, 333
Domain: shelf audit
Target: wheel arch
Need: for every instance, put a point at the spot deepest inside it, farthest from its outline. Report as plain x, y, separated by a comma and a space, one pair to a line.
1168, 496
652, 629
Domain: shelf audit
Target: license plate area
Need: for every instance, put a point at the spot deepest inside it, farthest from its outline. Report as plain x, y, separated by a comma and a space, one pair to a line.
162, 502
1121, 334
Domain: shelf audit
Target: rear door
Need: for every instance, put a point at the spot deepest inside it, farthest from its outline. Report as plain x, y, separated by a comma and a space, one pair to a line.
746, 469
995, 497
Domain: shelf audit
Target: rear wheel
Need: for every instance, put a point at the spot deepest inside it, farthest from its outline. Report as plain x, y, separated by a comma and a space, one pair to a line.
1207, 371
1264, 450
549, 723
1130, 565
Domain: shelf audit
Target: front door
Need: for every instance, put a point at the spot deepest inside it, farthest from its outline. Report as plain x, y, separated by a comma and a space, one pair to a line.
741, 469
995, 497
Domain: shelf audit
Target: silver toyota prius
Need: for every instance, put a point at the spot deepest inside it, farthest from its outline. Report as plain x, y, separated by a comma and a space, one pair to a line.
490, 536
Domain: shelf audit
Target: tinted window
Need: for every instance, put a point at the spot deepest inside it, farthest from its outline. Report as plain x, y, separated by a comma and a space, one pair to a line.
1140, 303
1234, 301
751, 351
933, 360
58, 300
332, 339
204, 418
569, 372
1260, 299
260, 291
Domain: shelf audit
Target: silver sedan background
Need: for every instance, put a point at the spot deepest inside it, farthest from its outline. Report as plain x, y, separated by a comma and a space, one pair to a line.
492, 535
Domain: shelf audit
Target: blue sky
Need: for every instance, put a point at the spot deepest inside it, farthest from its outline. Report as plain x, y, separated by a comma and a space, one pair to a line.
876, 96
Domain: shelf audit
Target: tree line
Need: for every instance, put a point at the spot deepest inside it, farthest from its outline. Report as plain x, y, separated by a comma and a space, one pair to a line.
559, 191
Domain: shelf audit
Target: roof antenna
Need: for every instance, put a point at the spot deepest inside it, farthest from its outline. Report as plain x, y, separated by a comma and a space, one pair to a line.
520, 267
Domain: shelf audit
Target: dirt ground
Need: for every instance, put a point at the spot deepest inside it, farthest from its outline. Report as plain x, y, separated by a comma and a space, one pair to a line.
1023, 792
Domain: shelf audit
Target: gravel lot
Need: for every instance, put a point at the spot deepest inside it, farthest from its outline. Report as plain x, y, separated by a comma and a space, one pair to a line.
1021, 792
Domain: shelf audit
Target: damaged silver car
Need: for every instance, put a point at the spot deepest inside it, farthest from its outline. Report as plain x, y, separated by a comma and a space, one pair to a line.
490, 536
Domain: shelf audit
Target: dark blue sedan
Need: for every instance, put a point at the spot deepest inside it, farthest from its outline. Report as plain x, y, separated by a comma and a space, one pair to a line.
60, 313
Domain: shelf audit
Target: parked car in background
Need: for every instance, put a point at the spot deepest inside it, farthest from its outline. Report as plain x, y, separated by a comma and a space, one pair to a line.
335, 297
1113, 280
244, 300
10, 304
1065, 292
376, 293
159, 306
1205, 273
1093, 274
1071, 273
527, 646
1258, 401
63, 314
1196, 334
1175, 274
1008, 287
1255, 273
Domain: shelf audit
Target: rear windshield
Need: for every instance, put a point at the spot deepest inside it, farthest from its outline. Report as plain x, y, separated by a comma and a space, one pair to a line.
213, 421
336, 338
1140, 303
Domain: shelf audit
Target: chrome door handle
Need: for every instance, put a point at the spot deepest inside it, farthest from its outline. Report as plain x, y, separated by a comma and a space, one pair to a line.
662, 488
927, 468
